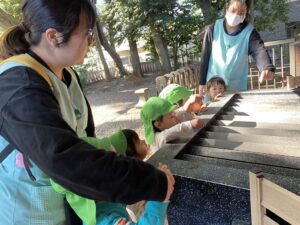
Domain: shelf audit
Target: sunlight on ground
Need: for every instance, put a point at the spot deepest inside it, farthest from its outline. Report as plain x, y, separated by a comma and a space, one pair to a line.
109, 112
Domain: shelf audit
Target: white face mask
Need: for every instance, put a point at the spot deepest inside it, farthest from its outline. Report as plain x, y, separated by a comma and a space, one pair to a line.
234, 19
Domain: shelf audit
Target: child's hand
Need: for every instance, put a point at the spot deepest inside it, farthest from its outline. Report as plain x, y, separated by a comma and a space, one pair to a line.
170, 178
217, 97
140, 208
193, 104
202, 90
204, 107
197, 123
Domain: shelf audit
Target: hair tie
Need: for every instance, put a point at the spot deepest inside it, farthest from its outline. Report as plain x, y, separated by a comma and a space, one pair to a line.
24, 28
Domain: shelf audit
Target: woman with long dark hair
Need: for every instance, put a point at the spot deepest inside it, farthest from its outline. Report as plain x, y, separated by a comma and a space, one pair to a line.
43, 115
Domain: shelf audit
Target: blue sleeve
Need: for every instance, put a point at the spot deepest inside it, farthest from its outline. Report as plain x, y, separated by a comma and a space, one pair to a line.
112, 213
155, 214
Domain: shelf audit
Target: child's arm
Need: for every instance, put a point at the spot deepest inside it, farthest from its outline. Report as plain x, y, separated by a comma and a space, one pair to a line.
184, 115
193, 104
184, 129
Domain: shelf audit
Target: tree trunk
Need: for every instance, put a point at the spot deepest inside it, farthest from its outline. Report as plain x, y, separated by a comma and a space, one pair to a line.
161, 49
182, 58
114, 55
6, 20
175, 56
206, 5
251, 12
107, 73
135, 59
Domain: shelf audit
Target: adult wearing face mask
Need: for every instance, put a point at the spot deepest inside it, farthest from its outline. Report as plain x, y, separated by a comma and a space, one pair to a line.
226, 46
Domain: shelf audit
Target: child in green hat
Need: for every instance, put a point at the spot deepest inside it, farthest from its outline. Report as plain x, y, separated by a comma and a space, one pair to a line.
123, 142
162, 125
188, 103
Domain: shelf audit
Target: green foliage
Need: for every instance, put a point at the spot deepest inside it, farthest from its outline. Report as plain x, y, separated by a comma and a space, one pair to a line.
184, 26
269, 12
82, 71
12, 7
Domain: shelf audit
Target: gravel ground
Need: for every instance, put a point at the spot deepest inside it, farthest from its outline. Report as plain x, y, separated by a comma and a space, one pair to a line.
113, 104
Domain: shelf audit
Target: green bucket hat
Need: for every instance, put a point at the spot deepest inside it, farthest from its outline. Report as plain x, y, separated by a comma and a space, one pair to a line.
175, 92
151, 110
119, 141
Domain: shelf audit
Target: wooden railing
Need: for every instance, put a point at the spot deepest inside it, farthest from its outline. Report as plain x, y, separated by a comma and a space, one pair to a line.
97, 74
283, 58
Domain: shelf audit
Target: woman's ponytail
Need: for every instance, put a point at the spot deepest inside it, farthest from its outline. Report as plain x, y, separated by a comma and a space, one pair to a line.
13, 41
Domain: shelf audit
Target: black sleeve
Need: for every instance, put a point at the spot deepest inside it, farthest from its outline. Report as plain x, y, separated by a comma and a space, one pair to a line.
259, 53
205, 54
31, 121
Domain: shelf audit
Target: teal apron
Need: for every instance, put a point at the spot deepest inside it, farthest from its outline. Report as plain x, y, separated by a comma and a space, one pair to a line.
229, 57
28, 202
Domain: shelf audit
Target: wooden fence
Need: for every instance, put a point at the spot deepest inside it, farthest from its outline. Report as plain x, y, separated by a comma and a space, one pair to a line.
97, 73
282, 55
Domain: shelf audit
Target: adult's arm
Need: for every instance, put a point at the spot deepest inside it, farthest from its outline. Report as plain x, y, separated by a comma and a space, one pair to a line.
205, 54
259, 52
31, 121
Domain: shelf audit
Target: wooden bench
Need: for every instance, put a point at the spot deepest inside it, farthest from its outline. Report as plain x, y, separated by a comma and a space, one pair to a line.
143, 95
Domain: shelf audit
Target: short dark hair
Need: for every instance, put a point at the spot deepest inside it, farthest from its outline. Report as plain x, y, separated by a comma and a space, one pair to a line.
248, 3
38, 16
159, 119
217, 79
131, 138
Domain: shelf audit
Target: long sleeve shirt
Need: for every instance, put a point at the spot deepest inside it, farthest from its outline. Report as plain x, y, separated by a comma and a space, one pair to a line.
183, 129
256, 49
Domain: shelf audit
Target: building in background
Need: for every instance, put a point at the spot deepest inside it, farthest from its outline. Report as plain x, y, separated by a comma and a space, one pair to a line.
287, 30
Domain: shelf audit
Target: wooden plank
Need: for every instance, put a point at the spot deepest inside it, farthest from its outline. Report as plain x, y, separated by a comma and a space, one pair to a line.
268, 221
280, 42
245, 157
288, 141
255, 131
276, 117
255, 195
292, 51
293, 151
280, 201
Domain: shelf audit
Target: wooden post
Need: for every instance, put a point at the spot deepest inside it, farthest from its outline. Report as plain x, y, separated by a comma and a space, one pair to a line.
292, 59
255, 196
297, 58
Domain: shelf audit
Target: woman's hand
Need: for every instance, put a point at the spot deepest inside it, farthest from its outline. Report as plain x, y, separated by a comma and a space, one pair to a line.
170, 178
266, 75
